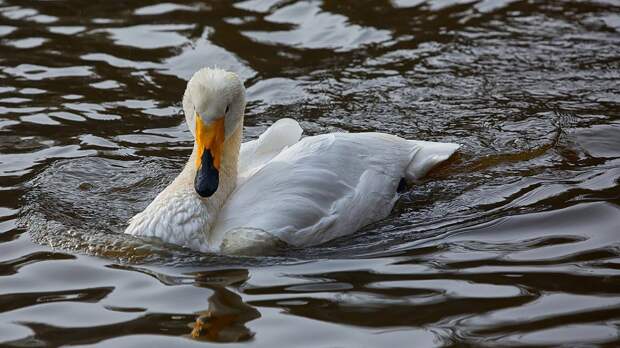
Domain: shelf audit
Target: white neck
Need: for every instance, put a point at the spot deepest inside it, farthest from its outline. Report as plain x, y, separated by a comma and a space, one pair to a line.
178, 214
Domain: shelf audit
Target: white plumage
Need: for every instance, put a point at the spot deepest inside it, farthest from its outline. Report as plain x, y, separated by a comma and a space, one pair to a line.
283, 189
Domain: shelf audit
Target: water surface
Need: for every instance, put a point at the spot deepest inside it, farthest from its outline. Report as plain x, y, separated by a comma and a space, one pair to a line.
513, 242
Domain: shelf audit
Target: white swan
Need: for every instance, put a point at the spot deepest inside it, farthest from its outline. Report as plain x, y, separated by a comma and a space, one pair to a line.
237, 198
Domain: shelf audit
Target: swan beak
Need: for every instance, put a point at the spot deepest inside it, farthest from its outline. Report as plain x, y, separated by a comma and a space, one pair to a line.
210, 141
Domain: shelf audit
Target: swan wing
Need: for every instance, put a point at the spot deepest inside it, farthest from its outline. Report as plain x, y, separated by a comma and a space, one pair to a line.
254, 154
321, 188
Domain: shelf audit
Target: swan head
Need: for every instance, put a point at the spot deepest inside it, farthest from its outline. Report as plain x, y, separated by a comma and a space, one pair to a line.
214, 103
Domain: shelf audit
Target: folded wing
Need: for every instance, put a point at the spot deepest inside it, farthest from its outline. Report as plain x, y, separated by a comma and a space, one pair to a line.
256, 153
323, 187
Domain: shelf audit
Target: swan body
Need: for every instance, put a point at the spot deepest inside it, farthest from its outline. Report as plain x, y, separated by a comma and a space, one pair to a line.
278, 188
321, 188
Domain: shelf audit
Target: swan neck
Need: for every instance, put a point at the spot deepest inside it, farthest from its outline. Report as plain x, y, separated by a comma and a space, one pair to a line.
178, 214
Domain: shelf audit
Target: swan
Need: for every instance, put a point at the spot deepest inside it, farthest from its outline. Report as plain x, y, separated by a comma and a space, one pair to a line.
278, 189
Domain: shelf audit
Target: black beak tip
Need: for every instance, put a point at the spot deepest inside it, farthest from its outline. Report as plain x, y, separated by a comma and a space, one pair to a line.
205, 189
207, 177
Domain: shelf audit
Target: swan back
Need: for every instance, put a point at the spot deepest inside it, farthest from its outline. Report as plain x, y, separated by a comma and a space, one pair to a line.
323, 187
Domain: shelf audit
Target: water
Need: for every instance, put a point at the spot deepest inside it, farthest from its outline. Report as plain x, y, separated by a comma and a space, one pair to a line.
513, 242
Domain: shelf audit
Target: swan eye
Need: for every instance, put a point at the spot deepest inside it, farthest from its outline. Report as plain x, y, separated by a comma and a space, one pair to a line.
227, 107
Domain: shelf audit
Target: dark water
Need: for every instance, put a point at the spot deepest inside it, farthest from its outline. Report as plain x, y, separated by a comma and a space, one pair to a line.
514, 242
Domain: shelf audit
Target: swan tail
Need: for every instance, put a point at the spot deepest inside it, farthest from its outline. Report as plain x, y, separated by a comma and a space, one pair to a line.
426, 155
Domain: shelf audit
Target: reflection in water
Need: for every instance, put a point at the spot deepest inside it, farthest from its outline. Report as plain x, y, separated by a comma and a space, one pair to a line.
227, 315
225, 320
512, 243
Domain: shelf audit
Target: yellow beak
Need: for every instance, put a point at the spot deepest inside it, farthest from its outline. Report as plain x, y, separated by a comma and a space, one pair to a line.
210, 143
210, 138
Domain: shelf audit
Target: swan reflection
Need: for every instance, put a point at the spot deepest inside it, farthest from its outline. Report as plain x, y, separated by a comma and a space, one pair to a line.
227, 315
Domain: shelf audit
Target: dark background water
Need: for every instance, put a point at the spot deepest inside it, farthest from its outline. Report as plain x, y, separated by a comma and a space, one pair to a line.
514, 242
